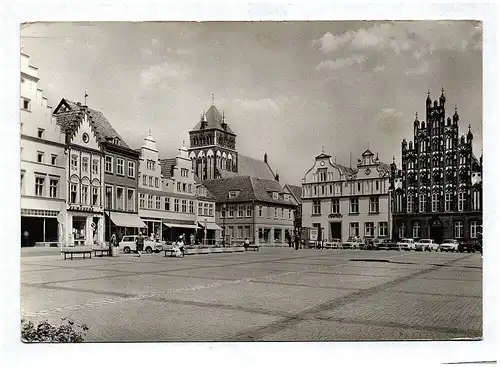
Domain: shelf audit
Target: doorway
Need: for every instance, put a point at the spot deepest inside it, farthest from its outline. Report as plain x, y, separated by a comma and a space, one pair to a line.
437, 230
336, 230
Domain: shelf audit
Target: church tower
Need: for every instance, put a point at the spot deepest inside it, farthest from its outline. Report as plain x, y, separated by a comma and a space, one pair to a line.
213, 146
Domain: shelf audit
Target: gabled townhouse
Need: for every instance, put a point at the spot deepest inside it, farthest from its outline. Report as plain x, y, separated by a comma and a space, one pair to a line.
253, 208
83, 224
296, 195
43, 184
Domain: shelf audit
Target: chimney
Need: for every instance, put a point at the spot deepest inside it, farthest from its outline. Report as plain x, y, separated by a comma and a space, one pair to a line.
278, 177
265, 157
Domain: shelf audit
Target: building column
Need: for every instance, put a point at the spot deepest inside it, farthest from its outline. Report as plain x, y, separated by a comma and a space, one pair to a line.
271, 233
88, 231
44, 230
256, 235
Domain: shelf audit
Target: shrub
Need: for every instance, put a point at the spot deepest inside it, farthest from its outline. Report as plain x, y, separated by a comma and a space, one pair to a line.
67, 332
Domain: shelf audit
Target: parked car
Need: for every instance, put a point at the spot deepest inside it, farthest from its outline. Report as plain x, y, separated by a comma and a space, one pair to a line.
333, 243
127, 245
449, 245
406, 244
426, 244
353, 243
386, 244
372, 244
468, 246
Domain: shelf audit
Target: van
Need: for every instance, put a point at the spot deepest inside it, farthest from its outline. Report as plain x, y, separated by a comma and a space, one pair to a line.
127, 245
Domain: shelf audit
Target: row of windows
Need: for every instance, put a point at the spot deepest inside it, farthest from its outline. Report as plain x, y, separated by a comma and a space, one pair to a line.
120, 201
240, 232
241, 211
84, 194
353, 206
370, 229
179, 205
151, 164
362, 187
150, 181
436, 205
85, 164
184, 187
40, 158
41, 186
458, 230
120, 166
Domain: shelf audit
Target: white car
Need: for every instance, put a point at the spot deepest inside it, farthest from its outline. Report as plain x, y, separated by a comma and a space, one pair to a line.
426, 245
353, 243
406, 244
449, 245
127, 245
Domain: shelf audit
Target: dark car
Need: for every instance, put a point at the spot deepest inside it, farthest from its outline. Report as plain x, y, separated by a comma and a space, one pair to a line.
467, 246
385, 244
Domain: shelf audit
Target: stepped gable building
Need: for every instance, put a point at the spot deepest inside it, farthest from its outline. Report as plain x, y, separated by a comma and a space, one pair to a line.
43, 183
296, 194
343, 202
214, 155
253, 208
119, 170
438, 192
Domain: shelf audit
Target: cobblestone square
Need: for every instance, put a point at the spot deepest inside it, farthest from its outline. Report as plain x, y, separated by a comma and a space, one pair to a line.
274, 294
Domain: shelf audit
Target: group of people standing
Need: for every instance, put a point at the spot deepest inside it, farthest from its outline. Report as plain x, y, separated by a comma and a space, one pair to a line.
294, 241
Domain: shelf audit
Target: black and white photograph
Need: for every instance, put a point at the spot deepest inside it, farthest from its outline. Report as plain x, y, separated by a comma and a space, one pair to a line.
251, 181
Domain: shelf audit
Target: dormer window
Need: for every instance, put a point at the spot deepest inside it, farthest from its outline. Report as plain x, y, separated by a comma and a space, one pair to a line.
116, 141
275, 196
286, 197
233, 194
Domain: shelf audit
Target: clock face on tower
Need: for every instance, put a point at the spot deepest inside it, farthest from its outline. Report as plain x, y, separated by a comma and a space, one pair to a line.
368, 171
322, 163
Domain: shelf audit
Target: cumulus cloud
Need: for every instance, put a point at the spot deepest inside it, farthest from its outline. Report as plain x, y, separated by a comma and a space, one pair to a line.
160, 73
419, 70
267, 103
422, 37
340, 63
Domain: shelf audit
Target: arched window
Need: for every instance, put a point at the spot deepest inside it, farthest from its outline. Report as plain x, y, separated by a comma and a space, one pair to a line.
422, 203
435, 202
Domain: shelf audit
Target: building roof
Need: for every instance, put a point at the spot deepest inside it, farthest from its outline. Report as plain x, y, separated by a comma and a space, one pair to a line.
296, 191
346, 170
248, 166
69, 115
323, 155
167, 167
250, 189
214, 121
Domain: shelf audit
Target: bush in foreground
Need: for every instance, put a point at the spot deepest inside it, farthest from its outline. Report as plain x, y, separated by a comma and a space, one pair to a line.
67, 332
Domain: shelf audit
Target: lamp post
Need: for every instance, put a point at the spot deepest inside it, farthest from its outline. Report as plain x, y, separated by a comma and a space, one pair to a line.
223, 225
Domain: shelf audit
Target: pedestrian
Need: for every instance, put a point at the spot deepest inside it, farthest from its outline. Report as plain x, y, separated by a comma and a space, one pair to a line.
289, 238
246, 243
139, 243
112, 242
297, 239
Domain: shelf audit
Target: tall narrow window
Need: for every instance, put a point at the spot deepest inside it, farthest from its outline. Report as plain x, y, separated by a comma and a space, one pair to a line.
435, 202
447, 202
410, 203
459, 229
369, 229
142, 200
249, 211
354, 229
335, 206
402, 230
85, 194
144, 180
416, 230
109, 197
176, 205
120, 198
95, 167
260, 211
120, 166
39, 186
184, 205
95, 195
422, 203
240, 211
157, 182
108, 164
167, 203
374, 204
53, 188
474, 228
191, 206
476, 200
316, 207
53, 159
150, 201
354, 207
39, 157
158, 203
131, 169
85, 164
382, 229
461, 201
73, 193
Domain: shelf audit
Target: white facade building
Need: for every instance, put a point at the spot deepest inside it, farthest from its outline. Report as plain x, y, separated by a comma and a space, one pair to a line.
43, 189
343, 202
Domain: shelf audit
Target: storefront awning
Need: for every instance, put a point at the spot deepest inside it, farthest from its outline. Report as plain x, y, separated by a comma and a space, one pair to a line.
175, 225
211, 226
127, 220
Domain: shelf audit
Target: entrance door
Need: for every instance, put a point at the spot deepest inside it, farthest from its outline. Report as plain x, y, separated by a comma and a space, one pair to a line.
437, 231
336, 230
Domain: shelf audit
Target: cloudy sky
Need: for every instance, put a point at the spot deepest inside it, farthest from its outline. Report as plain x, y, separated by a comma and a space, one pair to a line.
286, 88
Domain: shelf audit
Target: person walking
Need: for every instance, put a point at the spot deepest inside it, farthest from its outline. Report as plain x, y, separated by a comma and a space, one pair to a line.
139, 243
246, 243
297, 239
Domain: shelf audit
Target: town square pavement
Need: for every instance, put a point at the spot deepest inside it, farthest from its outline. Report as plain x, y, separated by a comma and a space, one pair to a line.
275, 294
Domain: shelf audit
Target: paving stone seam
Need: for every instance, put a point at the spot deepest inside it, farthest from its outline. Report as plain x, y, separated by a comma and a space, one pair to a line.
436, 294
275, 327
